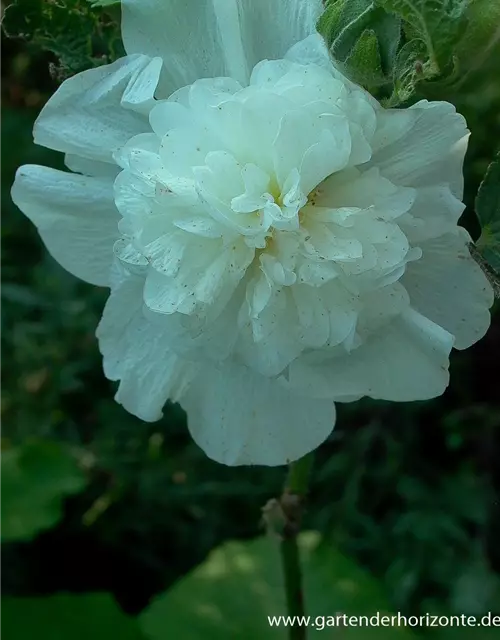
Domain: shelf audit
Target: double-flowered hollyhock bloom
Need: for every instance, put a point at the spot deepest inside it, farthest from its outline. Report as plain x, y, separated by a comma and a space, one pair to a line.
273, 239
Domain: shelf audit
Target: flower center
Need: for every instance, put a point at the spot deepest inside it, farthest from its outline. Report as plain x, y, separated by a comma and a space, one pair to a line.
256, 209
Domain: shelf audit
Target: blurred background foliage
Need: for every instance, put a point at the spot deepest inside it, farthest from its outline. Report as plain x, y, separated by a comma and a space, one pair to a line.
96, 501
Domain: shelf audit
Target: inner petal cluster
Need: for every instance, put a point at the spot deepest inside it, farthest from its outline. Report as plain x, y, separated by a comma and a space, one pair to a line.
261, 231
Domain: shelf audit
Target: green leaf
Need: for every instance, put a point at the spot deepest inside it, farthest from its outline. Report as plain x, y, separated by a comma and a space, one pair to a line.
408, 71
466, 633
36, 477
482, 36
363, 38
103, 3
80, 35
240, 584
364, 61
67, 617
488, 212
439, 24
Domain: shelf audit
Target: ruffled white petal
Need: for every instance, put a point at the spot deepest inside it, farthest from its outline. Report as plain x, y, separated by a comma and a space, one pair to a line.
75, 216
450, 288
97, 111
139, 354
424, 146
405, 360
91, 167
312, 50
436, 211
238, 417
211, 38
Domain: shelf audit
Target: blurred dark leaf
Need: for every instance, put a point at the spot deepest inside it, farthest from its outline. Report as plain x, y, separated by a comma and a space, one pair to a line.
477, 589
36, 477
488, 212
482, 36
231, 594
467, 633
18, 294
93, 616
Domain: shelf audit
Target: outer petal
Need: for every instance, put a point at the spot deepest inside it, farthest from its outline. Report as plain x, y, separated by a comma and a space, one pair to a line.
75, 216
435, 211
138, 353
210, 38
426, 146
407, 360
448, 287
97, 111
91, 167
240, 418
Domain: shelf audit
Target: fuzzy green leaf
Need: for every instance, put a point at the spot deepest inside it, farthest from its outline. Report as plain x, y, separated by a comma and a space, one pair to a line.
355, 28
364, 61
439, 24
409, 69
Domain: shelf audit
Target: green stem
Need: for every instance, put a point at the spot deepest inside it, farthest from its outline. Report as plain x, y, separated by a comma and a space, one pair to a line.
293, 585
292, 504
298, 475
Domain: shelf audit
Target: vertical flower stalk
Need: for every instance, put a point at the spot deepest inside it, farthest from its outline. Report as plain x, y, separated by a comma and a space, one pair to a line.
292, 504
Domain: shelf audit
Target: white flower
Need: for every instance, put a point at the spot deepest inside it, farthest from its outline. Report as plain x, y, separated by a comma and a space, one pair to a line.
274, 240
